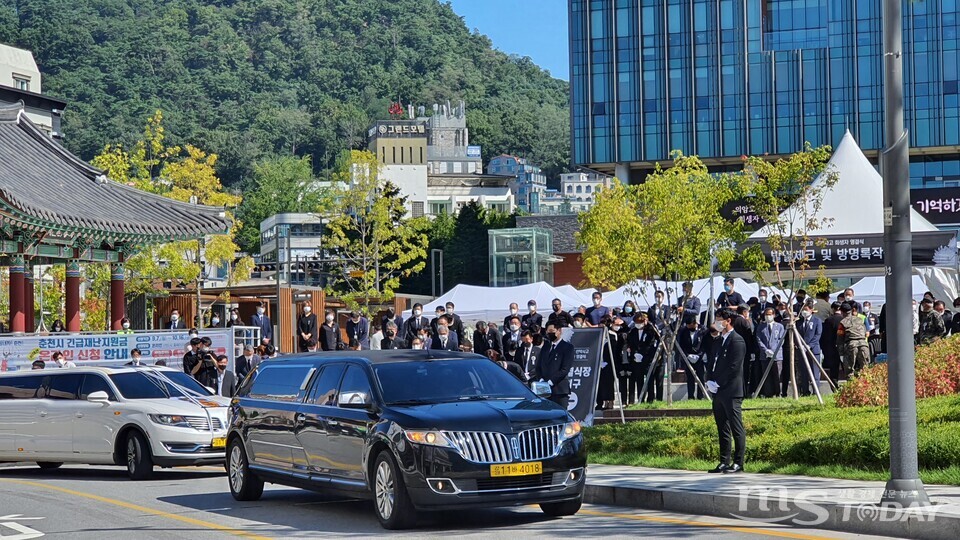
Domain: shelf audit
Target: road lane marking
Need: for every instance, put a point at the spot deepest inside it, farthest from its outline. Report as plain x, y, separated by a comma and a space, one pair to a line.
675, 521
138, 508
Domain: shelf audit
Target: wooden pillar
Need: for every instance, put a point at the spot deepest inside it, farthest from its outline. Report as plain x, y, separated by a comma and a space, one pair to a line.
73, 296
117, 298
29, 310
17, 316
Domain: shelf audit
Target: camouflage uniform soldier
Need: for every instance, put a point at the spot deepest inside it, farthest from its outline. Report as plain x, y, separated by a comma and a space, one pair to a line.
932, 327
852, 340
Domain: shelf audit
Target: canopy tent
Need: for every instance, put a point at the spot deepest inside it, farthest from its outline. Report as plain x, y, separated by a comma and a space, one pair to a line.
941, 283
643, 294
850, 241
475, 303
585, 295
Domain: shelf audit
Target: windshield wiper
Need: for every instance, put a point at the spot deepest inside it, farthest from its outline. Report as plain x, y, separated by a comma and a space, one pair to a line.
413, 402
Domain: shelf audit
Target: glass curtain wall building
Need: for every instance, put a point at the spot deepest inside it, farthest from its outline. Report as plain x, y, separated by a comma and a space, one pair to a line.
724, 79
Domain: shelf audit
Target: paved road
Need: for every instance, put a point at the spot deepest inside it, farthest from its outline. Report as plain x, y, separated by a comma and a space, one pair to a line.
96, 503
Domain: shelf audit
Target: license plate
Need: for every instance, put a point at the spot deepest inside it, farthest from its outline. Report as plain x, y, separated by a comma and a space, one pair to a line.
516, 469
219, 442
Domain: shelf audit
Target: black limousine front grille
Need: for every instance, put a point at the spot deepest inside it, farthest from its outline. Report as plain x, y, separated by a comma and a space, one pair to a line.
539, 443
517, 482
481, 446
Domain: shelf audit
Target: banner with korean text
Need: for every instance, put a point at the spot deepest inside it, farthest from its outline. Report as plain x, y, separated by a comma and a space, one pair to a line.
584, 376
17, 352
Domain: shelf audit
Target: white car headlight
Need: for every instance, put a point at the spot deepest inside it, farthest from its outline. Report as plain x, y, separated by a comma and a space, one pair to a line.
171, 420
570, 431
427, 437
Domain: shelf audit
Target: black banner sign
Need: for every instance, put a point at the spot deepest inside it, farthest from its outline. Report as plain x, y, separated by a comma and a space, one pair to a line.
742, 209
933, 248
941, 206
584, 376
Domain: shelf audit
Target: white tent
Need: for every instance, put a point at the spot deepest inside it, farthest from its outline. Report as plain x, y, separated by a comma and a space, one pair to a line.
643, 294
585, 295
473, 303
873, 289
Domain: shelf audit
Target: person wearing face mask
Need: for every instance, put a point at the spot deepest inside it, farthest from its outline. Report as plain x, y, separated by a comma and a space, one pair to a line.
226, 381
416, 344
233, 318
413, 325
176, 323
579, 320
514, 311
769, 347
658, 312
852, 340
480, 343
629, 310
931, 324
799, 301
261, 321
358, 328
205, 369
828, 342
445, 340
135, 358
729, 297
597, 311
329, 336
434, 322
61, 361
688, 303
192, 356
758, 310
559, 317
376, 338
940, 307
390, 340
245, 362
725, 382
511, 339
553, 366
690, 341
307, 329
531, 317
125, 327
456, 323
527, 355
214, 321
55, 328
848, 298
642, 343
811, 330
391, 316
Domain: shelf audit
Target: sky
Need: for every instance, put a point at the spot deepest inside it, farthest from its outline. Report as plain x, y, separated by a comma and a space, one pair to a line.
534, 28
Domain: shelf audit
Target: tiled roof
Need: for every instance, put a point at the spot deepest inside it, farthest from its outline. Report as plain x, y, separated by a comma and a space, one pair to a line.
563, 228
44, 185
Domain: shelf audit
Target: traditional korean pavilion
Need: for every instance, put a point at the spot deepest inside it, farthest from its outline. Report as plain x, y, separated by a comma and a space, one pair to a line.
55, 208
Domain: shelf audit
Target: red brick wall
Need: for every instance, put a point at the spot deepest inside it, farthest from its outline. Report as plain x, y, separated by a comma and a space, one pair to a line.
569, 271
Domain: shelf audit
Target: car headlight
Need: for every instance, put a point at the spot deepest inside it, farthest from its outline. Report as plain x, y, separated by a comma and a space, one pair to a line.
570, 431
427, 437
171, 420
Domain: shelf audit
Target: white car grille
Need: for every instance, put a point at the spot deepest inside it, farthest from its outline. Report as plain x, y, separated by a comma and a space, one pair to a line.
200, 423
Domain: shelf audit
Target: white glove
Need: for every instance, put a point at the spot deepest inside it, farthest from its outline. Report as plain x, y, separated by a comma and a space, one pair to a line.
713, 387
693, 358
769, 354
603, 365
637, 357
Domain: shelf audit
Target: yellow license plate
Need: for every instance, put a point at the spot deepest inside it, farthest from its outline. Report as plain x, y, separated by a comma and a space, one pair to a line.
219, 442
516, 469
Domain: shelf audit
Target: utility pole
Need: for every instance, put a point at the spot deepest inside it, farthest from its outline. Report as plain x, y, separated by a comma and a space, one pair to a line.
904, 487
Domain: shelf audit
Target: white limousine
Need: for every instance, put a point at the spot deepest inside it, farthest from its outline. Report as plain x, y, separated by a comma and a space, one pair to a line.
139, 417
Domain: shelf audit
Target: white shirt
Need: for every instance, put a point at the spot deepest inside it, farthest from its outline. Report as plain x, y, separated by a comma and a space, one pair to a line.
375, 340
220, 381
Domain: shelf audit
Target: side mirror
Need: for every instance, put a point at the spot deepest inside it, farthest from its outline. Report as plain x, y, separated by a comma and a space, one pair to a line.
98, 397
355, 400
541, 389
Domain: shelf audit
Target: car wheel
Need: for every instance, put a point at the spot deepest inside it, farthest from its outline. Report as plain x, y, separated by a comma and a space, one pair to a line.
560, 509
391, 501
244, 484
139, 460
49, 465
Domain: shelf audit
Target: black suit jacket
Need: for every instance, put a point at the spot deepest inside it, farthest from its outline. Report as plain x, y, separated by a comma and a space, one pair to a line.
555, 365
727, 369
229, 386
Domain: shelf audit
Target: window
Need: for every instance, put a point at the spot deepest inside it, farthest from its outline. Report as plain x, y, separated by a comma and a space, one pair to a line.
20, 387
416, 209
355, 380
21, 83
444, 380
95, 383
62, 386
325, 390
281, 383
141, 385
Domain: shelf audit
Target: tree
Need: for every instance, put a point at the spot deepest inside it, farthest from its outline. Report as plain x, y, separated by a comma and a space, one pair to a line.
467, 254
373, 244
279, 185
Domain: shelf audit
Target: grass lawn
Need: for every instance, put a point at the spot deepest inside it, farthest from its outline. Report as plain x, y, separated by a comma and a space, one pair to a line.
757, 403
789, 437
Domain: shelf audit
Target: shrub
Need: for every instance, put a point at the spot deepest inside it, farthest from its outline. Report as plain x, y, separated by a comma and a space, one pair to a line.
937, 372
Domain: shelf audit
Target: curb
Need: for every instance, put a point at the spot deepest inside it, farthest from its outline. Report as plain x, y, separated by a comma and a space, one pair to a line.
920, 523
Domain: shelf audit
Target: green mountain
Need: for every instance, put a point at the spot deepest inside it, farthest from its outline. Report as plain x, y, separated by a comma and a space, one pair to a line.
249, 79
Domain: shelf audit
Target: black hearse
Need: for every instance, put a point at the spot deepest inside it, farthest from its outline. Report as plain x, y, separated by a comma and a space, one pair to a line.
414, 430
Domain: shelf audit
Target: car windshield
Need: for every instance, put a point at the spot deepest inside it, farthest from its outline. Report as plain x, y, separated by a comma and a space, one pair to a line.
148, 385
436, 381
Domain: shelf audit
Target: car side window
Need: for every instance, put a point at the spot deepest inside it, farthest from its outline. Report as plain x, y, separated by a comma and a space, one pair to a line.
355, 380
281, 382
20, 387
63, 386
324, 391
95, 383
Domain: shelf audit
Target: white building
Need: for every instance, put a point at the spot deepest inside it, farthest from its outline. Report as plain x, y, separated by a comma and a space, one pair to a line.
448, 193
529, 181
20, 81
288, 238
580, 188
401, 148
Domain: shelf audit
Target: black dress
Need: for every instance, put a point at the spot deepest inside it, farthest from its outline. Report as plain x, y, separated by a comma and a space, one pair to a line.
307, 324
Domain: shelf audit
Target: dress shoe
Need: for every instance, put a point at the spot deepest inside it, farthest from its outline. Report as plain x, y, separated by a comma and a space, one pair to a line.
721, 468
733, 469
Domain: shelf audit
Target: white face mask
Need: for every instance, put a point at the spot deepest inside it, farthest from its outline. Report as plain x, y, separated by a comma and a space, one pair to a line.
718, 326
174, 317
260, 311
449, 311
513, 311
770, 318
806, 314
514, 327
307, 309
616, 328
849, 297
193, 335
533, 309
596, 301
329, 318
215, 320
763, 298
577, 324
416, 313
233, 316
60, 361
126, 325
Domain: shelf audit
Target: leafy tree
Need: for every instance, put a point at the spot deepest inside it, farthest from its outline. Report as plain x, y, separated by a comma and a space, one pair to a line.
375, 245
611, 237
279, 185
467, 255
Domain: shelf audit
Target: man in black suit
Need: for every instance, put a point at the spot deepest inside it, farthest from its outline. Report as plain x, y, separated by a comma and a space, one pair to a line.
456, 323
554, 364
176, 323
413, 325
725, 382
445, 340
528, 354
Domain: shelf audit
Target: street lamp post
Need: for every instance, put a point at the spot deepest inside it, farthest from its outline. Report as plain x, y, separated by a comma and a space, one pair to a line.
904, 486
